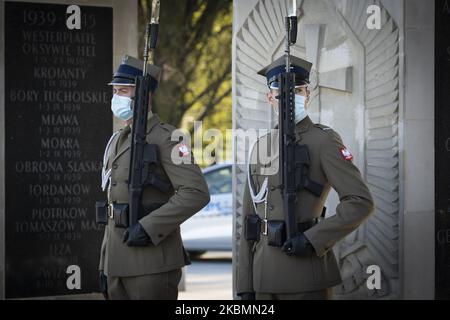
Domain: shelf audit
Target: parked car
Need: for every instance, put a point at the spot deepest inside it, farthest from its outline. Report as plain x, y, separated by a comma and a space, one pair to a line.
211, 228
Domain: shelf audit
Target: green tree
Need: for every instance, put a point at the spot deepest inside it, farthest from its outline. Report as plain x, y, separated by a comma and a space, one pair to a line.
194, 51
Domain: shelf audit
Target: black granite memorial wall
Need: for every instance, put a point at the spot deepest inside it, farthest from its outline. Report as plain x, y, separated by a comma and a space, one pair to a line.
57, 123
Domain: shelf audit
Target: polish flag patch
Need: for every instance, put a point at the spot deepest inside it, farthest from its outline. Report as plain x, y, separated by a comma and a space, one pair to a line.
346, 154
183, 149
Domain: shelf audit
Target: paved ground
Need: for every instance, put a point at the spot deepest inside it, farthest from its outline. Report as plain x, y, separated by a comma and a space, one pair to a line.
209, 278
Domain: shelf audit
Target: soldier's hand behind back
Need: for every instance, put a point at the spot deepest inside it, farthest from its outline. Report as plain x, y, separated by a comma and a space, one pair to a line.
298, 246
135, 236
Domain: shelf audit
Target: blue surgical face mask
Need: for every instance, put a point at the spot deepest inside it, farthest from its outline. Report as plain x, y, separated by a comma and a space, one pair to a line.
300, 111
122, 107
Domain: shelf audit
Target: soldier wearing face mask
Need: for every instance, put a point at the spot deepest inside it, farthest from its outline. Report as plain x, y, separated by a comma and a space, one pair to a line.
144, 261
270, 266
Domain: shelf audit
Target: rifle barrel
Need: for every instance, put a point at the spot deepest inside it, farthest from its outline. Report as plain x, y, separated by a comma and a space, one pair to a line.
146, 49
151, 35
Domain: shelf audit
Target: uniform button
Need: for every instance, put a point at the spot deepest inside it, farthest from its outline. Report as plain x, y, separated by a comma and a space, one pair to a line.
271, 207
115, 166
272, 188
160, 235
114, 183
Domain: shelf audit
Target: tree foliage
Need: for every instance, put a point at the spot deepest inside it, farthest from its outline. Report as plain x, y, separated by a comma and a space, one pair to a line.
194, 51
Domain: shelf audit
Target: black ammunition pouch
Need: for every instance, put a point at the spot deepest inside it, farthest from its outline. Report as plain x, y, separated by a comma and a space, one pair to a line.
121, 213
275, 230
101, 212
252, 227
276, 233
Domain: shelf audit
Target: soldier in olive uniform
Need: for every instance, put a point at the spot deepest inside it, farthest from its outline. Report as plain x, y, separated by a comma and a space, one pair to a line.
304, 267
144, 261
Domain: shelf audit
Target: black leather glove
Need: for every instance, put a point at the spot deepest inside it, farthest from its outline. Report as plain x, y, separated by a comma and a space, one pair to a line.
135, 236
298, 246
247, 295
103, 284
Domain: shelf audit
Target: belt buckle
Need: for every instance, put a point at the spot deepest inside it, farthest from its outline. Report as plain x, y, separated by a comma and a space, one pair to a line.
110, 211
264, 223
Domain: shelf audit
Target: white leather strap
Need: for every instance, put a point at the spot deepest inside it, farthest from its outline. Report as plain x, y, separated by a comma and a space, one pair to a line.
261, 196
106, 174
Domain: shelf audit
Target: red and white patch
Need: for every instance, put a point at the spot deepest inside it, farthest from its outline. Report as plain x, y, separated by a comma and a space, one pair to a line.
183, 149
346, 154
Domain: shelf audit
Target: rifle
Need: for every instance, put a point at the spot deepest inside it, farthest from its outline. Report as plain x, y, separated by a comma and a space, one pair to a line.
294, 159
143, 155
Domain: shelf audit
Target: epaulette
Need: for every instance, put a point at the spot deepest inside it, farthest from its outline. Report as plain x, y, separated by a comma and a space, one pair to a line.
165, 126
322, 127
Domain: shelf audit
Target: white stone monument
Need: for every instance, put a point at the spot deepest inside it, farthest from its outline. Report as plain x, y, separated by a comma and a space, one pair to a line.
362, 89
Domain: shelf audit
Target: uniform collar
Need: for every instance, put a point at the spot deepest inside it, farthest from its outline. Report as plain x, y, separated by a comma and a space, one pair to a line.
152, 121
302, 127
125, 134
149, 116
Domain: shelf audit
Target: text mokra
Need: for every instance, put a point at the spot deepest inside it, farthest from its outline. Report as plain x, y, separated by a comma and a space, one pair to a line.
57, 143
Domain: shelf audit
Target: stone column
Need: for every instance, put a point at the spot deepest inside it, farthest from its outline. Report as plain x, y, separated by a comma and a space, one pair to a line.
417, 149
